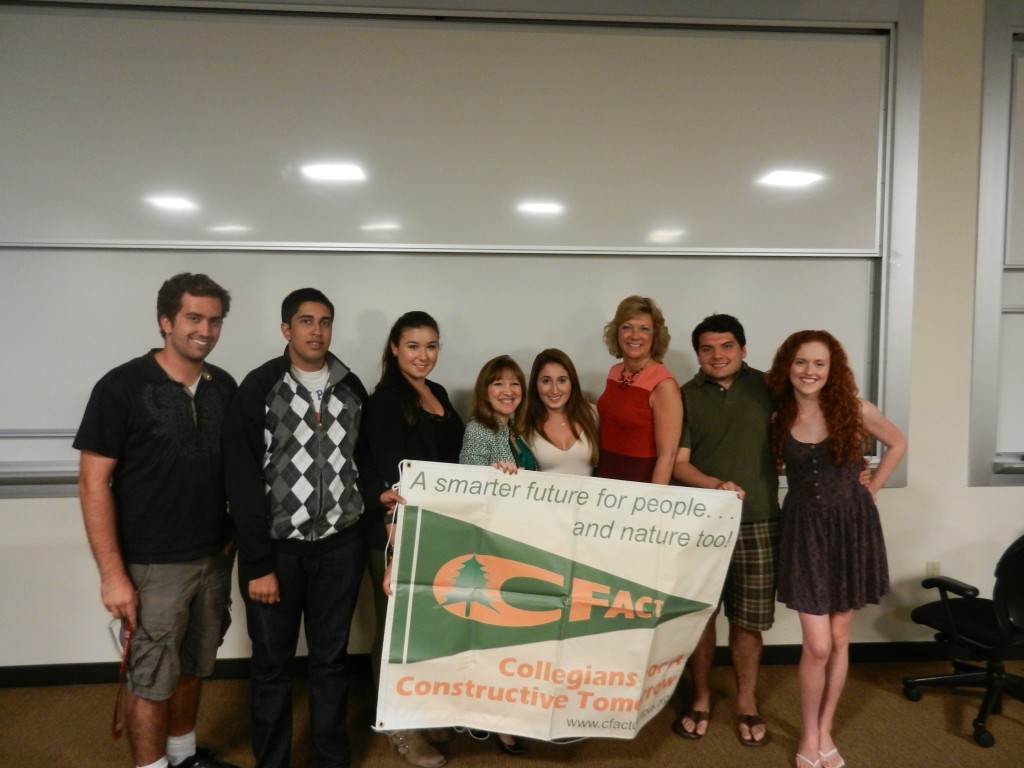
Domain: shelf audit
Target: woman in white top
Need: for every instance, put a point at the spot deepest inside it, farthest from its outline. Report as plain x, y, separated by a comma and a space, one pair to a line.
560, 425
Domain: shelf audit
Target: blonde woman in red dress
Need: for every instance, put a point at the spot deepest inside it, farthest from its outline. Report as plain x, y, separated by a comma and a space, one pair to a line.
641, 410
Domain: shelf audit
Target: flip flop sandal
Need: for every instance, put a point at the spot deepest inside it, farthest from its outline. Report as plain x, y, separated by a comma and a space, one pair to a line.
826, 756
751, 721
698, 716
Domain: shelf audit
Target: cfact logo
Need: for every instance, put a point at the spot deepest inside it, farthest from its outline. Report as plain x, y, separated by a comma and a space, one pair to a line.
473, 587
459, 586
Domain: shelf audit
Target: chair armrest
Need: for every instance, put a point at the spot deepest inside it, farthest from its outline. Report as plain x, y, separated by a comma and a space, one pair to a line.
946, 584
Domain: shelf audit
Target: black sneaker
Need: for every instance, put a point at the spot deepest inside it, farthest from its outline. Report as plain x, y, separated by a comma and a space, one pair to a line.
203, 758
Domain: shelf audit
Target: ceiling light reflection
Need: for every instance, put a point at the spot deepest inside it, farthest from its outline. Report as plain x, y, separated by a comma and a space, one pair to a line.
783, 178
172, 203
228, 228
665, 236
540, 207
381, 226
333, 172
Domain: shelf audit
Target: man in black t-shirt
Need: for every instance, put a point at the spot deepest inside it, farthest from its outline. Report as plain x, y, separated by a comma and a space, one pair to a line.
153, 501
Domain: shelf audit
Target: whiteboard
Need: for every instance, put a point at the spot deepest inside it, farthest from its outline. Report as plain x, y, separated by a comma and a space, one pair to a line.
1010, 404
73, 315
651, 138
1010, 427
1014, 254
1009, 438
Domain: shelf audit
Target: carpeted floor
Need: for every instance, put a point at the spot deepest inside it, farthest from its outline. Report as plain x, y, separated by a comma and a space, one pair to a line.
68, 727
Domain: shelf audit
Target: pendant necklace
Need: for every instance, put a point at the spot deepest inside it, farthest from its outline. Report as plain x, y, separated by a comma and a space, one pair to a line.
625, 381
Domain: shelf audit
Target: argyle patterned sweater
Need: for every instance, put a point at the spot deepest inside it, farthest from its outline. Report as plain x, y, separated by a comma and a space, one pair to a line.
293, 481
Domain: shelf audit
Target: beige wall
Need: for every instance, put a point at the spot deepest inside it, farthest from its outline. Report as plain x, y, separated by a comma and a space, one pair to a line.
50, 608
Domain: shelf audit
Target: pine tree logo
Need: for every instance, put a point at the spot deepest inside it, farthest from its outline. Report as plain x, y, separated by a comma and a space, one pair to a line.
469, 588
460, 586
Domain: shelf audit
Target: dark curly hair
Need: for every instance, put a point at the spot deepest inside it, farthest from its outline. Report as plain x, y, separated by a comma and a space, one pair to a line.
839, 403
168, 298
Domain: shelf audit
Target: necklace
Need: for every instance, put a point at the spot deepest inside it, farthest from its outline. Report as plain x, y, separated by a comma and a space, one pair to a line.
625, 381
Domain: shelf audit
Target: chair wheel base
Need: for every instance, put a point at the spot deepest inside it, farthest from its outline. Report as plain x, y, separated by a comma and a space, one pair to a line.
983, 738
912, 692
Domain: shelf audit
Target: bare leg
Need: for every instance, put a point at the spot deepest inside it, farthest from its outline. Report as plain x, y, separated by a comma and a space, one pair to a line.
814, 657
745, 645
835, 680
700, 671
147, 729
151, 722
184, 706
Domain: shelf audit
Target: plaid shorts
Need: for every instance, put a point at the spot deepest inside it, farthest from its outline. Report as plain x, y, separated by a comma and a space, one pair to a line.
749, 590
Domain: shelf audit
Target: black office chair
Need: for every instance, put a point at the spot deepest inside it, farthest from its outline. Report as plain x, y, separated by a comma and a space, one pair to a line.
984, 630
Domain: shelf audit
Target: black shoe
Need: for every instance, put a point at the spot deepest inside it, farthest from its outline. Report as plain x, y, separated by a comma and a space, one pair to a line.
203, 758
515, 748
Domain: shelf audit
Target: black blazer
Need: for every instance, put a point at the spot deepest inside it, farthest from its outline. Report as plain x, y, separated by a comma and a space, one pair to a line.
392, 439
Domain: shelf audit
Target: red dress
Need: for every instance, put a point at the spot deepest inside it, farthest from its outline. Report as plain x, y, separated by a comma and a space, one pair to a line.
628, 450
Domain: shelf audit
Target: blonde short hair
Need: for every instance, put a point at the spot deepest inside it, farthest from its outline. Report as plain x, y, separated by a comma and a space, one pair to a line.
629, 307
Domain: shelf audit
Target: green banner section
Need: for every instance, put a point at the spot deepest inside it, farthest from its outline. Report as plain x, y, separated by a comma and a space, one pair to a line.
461, 587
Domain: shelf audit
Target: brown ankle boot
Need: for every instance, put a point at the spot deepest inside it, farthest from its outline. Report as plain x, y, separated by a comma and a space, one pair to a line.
416, 749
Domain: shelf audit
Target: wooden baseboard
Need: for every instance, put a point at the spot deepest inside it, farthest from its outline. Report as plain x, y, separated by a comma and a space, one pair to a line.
238, 669
107, 672
860, 653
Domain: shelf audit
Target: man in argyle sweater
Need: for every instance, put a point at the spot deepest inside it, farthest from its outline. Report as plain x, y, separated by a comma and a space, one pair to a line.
292, 451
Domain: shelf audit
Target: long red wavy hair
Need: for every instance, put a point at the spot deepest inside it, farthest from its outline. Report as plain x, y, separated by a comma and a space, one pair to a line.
838, 399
